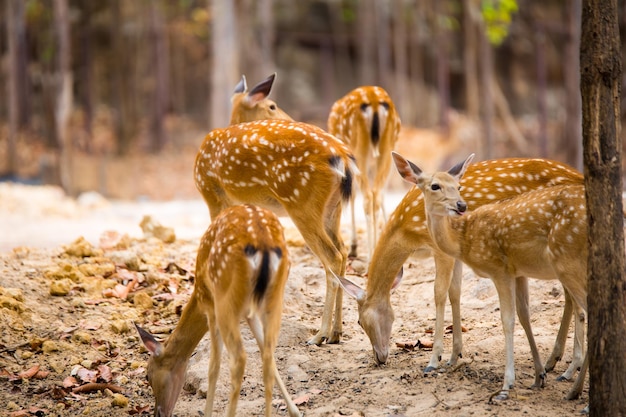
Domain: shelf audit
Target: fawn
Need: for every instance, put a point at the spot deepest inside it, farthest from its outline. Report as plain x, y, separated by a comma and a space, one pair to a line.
366, 120
241, 271
541, 233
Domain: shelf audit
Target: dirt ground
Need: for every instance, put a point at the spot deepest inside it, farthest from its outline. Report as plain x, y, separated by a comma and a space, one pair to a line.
68, 346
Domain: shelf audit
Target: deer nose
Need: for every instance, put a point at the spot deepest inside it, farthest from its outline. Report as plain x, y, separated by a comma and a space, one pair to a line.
461, 206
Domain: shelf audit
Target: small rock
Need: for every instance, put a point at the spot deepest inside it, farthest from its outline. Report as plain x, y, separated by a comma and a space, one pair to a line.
60, 288
49, 346
80, 248
120, 326
12, 406
14, 293
142, 300
65, 270
103, 269
151, 228
11, 304
127, 258
82, 337
119, 401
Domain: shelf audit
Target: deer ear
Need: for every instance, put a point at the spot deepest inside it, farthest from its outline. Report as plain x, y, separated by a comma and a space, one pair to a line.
459, 169
149, 341
407, 169
260, 91
242, 86
351, 288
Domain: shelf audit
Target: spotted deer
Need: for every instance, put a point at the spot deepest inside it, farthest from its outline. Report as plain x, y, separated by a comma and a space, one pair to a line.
541, 233
366, 119
241, 271
290, 168
248, 106
406, 233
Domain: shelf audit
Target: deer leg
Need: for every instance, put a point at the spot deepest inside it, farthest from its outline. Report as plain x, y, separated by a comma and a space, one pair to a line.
215, 360
579, 340
370, 219
444, 266
329, 248
454, 293
333, 222
267, 345
353, 246
561, 338
577, 388
523, 312
506, 294
237, 363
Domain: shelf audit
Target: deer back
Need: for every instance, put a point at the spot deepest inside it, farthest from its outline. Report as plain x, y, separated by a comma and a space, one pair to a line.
272, 163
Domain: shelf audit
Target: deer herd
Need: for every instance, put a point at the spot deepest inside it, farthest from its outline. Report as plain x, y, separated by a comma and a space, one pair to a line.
507, 219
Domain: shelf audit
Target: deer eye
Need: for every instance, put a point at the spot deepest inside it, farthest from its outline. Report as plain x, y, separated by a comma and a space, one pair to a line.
272, 106
435, 187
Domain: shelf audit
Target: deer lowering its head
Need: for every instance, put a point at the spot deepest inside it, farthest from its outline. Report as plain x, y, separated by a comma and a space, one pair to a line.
248, 106
366, 119
241, 271
290, 168
406, 234
540, 234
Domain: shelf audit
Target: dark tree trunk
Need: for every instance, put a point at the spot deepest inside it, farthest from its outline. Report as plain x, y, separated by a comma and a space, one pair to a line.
601, 90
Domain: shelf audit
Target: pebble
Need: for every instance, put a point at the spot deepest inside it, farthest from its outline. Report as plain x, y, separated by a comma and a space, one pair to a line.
49, 346
119, 401
120, 326
142, 300
60, 287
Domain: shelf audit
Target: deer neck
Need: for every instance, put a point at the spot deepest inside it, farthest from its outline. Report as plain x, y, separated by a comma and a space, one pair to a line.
446, 232
387, 259
191, 328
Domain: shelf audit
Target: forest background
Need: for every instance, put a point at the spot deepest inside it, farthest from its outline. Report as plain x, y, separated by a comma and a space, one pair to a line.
112, 96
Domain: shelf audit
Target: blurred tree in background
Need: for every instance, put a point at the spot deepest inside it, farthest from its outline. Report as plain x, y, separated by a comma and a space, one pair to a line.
107, 79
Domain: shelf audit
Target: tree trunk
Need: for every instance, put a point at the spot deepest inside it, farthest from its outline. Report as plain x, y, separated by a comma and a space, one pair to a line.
486, 85
443, 66
571, 140
470, 48
367, 42
161, 77
225, 71
86, 72
542, 89
63, 107
15, 20
601, 91
401, 87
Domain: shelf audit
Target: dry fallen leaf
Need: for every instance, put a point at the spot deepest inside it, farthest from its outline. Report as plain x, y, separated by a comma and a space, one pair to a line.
29, 373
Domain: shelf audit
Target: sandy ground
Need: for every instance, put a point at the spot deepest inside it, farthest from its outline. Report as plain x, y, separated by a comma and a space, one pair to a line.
52, 345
